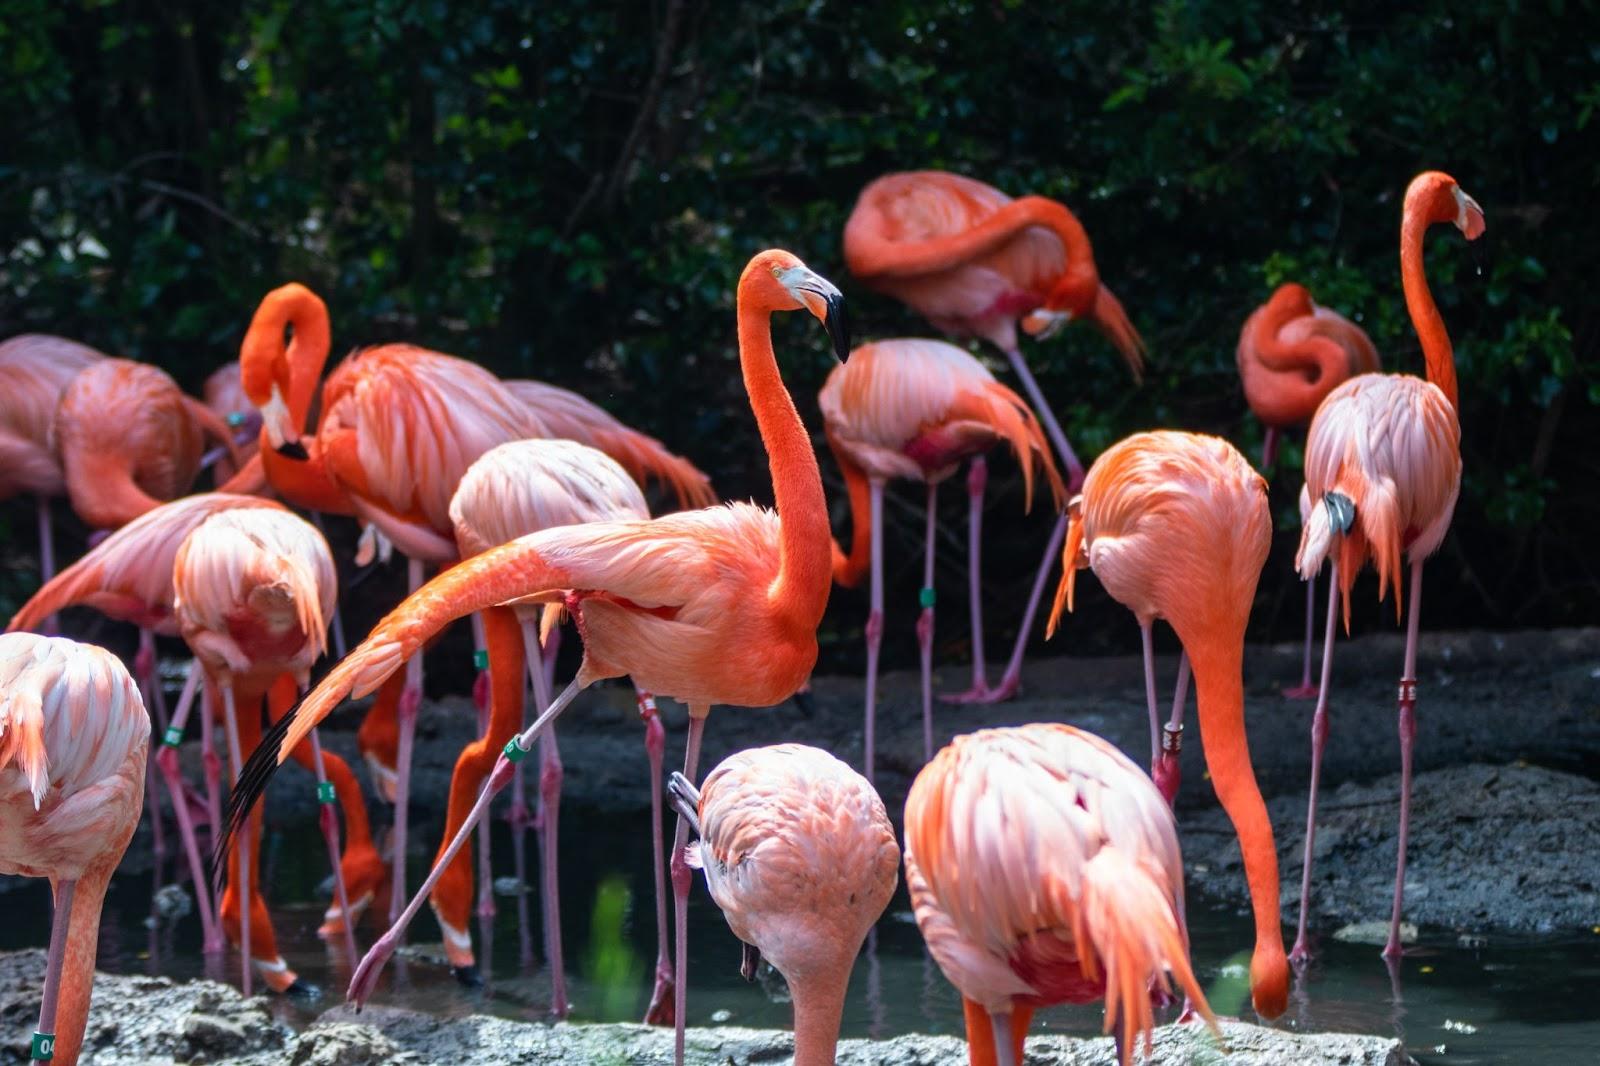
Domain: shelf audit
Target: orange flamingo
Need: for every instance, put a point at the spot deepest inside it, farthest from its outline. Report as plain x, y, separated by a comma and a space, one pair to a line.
713, 606
799, 854
73, 740
34, 370
975, 262
399, 427
915, 409
1384, 459
1176, 526
513, 490
1291, 354
1043, 868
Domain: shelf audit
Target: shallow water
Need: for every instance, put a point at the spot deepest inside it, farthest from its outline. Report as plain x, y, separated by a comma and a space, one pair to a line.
1459, 1002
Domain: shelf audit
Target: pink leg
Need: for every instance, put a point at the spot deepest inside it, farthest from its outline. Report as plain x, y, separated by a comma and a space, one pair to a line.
925, 630
211, 764
1011, 680
1147, 635
1052, 428
410, 701
874, 630
1319, 738
549, 824
1167, 771
44, 1041
680, 866
329, 823
366, 975
662, 1009
167, 761
1269, 449
1408, 734
146, 671
236, 757
480, 699
977, 480
1306, 690
47, 557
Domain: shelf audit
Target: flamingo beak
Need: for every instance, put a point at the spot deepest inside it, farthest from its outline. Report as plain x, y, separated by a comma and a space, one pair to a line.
282, 433
1042, 324
1469, 216
824, 300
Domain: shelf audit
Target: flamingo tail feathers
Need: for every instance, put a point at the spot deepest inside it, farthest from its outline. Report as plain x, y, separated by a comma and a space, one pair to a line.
644, 457
1069, 573
1113, 322
22, 739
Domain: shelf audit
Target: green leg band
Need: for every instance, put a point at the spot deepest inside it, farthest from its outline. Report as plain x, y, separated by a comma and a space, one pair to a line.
480, 659
513, 751
325, 792
925, 597
43, 1048
172, 737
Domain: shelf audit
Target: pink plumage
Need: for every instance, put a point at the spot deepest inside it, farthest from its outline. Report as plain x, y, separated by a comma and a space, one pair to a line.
34, 370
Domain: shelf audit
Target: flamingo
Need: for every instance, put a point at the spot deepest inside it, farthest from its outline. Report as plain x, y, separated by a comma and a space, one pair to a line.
976, 263
513, 490
129, 577
224, 394
399, 426
915, 409
1383, 459
1291, 354
73, 740
34, 369
799, 854
1043, 868
1176, 526
713, 606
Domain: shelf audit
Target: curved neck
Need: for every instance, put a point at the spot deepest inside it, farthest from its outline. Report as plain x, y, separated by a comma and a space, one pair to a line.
265, 361
805, 541
1425, 317
304, 482
848, 569
818, 1010
103, 490
1076, 286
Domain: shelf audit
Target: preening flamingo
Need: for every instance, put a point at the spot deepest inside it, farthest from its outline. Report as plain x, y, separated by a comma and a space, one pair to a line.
1044, 868
513, 490
1291, 354
399, 426
975, 262
915, 409
713, 606
564, 415
1176, 526
1383, 459
73, 740
798, 851
34, 370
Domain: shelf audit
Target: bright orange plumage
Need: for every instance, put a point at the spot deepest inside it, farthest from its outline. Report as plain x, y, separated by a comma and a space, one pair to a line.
1292, 353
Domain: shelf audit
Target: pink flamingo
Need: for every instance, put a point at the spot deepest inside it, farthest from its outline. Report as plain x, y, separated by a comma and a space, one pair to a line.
799, 854
1291, 354
1384, 460
915, 409
1043, 868
73, 740
713, 606
34, 370
976, 263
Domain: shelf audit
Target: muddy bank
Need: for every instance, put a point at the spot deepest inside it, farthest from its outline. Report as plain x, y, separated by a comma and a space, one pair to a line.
1508, 848
150, 1021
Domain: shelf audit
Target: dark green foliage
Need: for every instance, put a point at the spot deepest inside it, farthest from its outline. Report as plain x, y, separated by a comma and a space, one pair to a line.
568, 191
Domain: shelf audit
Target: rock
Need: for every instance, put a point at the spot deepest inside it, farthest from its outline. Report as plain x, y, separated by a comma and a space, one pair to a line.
346, 1044
1375, 933
1491, 848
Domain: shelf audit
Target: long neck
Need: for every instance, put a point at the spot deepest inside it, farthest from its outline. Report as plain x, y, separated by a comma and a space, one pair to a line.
896, 259
304, 482
1425, 317
1218, 660
848, 569
1284, 380
818, 1010
805, 541
103, 490
77, 964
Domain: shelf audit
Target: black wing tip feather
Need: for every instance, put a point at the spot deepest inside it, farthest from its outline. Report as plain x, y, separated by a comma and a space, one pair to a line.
248, 790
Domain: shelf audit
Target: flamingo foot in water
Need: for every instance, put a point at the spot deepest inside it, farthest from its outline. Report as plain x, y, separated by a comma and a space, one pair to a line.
663, 997
1300, 692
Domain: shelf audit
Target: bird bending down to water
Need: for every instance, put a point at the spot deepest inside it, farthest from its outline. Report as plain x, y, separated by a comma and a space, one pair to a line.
799, 854
915, 409
1044, 868
1291, 354
73, 740
1176, 526
977, 263
1383, 468
713, 606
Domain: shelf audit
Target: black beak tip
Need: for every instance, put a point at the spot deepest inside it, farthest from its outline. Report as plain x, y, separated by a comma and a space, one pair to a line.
294, 450
838, 325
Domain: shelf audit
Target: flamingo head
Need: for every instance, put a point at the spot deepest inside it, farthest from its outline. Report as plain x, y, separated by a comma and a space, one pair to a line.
1439, 198
777, 280
1081, 296
271, 371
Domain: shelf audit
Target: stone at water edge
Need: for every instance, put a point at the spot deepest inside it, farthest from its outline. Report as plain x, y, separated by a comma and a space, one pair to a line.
1374, 933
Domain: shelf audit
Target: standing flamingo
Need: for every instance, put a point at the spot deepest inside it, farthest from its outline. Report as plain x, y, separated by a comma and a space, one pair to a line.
1043, 868
73, 739
1176, 526
799, 854
399, 427
1291, 354
34, 370
915, 409
976, 263
1384, 460
713, 606
513, 490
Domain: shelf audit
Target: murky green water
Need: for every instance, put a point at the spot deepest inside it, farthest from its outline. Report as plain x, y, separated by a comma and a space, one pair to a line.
1456, 1002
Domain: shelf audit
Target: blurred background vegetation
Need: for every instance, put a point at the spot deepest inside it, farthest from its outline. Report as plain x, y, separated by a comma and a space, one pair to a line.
568, 191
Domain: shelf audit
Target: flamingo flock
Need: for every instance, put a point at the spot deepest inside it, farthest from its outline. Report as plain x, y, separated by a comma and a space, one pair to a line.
1042, 864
